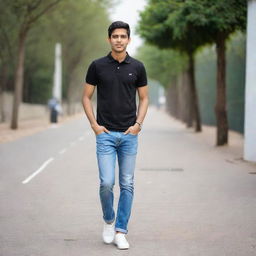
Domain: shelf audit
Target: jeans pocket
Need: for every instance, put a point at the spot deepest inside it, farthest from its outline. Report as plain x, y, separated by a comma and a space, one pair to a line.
132, 134
99, 134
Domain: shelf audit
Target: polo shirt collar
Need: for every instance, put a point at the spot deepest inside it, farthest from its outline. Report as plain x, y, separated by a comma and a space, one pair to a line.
126, 60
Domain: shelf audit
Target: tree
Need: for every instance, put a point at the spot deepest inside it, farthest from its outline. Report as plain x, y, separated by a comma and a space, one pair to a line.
7, 42
168, 71
217, 19
82, 36
170, 63
186, 25
160, 25
26, 13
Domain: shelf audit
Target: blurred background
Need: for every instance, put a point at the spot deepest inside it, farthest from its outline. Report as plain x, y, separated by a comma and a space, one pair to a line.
191, 172
180, 56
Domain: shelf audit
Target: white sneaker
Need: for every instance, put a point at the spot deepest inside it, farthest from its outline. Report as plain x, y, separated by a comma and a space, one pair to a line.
121, 242
108, 233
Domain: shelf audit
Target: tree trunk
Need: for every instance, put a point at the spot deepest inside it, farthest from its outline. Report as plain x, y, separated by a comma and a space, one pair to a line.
220, 107
184, 99
3, 81
69, 94
172, 99
193, 91
18, 86
189, 116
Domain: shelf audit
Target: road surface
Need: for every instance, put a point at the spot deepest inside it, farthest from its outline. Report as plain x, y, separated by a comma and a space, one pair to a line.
191, 198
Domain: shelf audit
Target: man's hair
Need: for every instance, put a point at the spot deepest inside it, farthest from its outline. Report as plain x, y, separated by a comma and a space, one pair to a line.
118, 24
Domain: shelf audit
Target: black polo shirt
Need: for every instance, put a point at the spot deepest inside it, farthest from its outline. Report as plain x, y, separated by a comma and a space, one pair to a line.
116, 90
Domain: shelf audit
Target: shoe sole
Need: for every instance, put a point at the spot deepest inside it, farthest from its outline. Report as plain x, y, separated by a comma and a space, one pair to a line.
108, 242
120, 247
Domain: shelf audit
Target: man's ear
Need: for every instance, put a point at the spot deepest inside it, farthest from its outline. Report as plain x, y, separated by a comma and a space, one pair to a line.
129, 40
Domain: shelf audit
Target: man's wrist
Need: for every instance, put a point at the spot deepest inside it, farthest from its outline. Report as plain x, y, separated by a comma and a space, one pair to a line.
94, 125
139, 124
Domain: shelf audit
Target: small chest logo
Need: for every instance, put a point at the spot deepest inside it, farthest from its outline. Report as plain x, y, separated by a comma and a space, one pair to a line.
130, 74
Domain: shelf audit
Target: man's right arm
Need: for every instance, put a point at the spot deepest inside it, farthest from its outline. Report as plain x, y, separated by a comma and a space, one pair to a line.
88, 109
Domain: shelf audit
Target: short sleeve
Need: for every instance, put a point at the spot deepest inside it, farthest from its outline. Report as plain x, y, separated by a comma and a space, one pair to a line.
142, 78
91, 76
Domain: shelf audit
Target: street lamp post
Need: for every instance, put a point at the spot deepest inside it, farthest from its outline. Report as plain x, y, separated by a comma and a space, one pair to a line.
57, 90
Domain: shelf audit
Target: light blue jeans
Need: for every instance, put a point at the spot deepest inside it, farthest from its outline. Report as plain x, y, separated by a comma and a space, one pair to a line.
124, 146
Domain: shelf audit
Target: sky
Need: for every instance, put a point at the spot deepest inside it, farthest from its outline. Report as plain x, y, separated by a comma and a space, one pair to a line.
128, 11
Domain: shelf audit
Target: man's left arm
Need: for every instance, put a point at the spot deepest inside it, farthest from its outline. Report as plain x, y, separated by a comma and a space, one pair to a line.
142, 110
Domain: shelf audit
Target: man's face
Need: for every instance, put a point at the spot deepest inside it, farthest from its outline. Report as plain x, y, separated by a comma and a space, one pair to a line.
119, 40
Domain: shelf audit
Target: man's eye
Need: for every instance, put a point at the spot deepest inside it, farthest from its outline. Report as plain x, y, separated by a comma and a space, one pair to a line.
123, 37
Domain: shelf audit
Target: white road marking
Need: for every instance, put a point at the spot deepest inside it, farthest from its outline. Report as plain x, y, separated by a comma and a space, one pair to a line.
38, 171
63, 151
51, 159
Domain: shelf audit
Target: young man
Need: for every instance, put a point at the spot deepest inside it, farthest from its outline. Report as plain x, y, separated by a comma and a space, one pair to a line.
118, 77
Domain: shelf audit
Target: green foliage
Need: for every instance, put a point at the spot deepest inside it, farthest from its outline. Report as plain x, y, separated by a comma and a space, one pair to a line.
16, 19
82, 37
8, 36
80, 26
186, 25
167, 24
39, 90
213, 19
162, 65
39, 67
26, 12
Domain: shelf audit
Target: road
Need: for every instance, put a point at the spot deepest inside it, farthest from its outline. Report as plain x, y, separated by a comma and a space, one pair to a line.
191, 198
